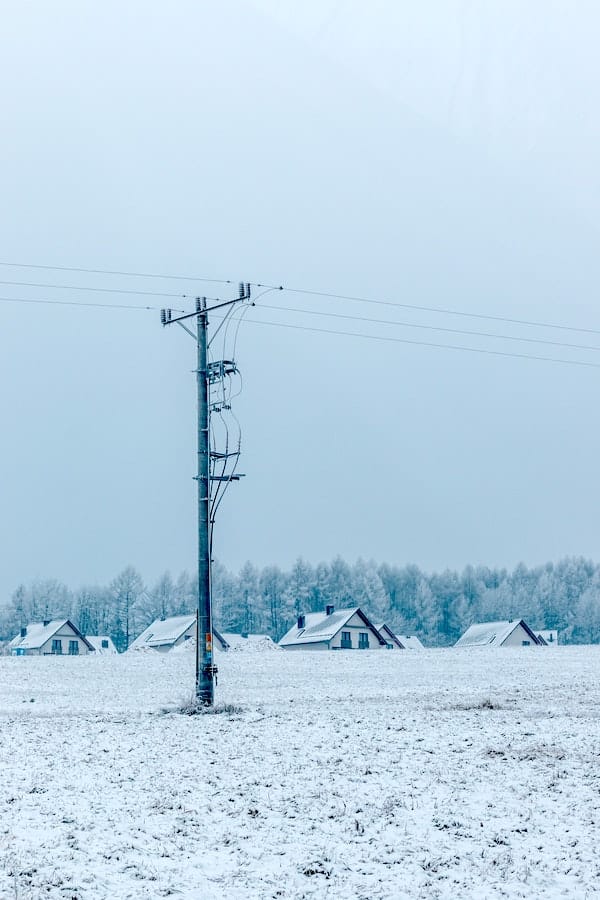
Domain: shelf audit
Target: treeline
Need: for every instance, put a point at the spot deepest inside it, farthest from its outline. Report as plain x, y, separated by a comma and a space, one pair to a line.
437, 607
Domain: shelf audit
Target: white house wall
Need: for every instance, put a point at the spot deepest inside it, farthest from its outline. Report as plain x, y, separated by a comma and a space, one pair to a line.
516, 638
356, 626
65, 635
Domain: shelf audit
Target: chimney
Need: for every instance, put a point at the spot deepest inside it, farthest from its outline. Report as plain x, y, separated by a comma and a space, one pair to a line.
301, 622
329, 609
24, 632
46, 622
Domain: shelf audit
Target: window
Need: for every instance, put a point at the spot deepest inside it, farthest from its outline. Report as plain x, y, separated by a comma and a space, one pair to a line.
186, 637
57, 646
363, 641
346, 640
526, 643
73, 648
104, 644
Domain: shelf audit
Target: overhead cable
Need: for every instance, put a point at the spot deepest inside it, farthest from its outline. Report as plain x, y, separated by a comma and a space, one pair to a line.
114, 272
396, 340
430, 309
484, 334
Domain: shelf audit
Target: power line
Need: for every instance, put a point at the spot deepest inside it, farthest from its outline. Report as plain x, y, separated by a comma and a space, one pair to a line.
47, 302
111, 272
484, 334
430, 309
313, 293
392, 340
103, 290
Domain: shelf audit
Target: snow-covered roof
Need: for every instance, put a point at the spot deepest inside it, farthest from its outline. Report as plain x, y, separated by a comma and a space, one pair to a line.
163, 631
548, 635
96, 640
410, 642
249, 642
38, 633
320, 627
388, 635
485, 634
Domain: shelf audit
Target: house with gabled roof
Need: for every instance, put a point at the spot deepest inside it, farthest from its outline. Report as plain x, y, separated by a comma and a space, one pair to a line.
103, 644
515, 633
410, 642
166, 634
346, 629
56, 637
391, 640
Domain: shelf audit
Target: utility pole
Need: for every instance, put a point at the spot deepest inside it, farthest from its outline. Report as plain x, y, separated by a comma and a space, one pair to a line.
206, 670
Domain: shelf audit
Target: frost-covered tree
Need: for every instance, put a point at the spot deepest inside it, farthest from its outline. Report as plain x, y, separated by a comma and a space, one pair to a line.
586, 629
299, 590
225, 598
126, 589
368, 591
339, 588
249, 596
272, 588
93, 610
438, 607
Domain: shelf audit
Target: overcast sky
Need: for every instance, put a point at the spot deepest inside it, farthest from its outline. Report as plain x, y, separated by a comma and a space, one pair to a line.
435, 154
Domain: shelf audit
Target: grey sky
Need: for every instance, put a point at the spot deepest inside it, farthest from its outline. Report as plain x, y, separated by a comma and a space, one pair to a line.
441, 157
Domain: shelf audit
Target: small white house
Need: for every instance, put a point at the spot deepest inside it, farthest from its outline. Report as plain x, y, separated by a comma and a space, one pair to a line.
391, 640
515, 633
549, 637
410, 642
58, 637
103, 644
346, 629
166, 634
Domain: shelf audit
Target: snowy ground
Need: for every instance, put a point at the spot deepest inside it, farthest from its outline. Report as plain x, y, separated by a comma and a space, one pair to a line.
440, 774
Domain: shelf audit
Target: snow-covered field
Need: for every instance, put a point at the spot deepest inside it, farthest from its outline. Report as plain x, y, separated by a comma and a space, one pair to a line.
440, 774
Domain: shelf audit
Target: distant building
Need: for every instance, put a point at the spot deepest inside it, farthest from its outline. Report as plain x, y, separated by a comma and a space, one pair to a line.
166, 634
410, 642
515, 633
346, 629
249, 642
391, 640
548, 636
58, 637
102, 644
